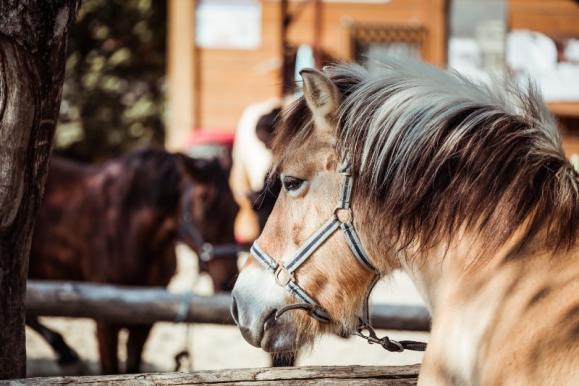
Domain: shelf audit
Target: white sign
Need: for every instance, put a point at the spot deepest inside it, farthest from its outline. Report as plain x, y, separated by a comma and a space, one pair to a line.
231, 24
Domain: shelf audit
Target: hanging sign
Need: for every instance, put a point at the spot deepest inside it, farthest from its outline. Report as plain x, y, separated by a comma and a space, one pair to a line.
228, 24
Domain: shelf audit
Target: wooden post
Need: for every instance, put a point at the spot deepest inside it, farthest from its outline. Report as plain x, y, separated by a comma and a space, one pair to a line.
180, 73
317, 41
285, 20
438, 14
33, 36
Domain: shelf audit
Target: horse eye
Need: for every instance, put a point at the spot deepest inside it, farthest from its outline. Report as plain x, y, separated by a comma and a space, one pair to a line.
292, 183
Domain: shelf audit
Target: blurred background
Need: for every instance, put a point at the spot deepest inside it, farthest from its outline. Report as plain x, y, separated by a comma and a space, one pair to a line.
207, 78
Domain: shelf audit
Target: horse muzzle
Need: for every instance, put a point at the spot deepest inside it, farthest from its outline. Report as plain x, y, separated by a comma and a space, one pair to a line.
255, 301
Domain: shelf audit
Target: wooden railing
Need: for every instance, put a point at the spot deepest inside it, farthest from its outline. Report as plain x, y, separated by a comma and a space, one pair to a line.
325, 375
147, 305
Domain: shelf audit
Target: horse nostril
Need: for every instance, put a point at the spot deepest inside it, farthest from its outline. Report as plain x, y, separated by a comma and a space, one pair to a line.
234, 310
270, 320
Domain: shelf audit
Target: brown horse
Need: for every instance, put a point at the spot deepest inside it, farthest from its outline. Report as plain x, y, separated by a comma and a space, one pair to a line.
464, 187
118, 223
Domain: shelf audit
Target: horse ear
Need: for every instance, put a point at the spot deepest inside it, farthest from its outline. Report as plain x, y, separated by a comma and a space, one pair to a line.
199, 169
321, 95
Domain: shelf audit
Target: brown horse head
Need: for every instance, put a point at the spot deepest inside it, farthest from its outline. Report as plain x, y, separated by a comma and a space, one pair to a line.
207, 213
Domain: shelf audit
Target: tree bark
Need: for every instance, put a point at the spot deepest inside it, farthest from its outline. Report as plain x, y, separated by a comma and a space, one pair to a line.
33, 37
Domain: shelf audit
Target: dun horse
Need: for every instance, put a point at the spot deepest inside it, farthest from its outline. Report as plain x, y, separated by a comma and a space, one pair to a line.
118, 223
464, 187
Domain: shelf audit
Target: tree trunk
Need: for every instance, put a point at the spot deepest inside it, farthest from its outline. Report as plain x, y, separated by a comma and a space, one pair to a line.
32, 56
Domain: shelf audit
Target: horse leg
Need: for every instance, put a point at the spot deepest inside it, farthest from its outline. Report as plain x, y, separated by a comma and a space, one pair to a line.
66, 355
108, 340
283, 359
137, 337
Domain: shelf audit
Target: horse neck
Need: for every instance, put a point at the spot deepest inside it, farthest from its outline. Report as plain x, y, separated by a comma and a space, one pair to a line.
452, 266
446, 273
438, 272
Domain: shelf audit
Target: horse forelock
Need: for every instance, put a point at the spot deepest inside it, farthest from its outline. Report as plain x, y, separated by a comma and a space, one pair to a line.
151, 177
434, 152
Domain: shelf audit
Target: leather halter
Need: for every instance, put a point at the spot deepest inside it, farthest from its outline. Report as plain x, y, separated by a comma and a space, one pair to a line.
284, 273
206, 250
340, 219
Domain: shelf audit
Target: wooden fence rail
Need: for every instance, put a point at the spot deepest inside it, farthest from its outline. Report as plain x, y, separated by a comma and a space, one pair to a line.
147, 305
315, 375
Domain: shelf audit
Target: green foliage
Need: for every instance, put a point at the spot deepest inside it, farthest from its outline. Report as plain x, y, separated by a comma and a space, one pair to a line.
113, 97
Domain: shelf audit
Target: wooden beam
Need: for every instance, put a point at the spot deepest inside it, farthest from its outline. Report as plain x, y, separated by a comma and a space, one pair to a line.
564, 109
180, 73
285, 20
437, 36
148, 305
556, 18
317, 40
400, 317
123, 304
311, 375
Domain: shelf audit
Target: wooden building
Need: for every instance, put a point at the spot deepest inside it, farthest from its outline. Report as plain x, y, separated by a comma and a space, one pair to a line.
558, 19
209, 86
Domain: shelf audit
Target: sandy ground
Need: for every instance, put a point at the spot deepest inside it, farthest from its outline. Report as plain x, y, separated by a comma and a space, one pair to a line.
217, 347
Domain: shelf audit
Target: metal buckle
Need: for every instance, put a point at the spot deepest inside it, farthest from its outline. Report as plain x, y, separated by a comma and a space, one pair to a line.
343, 215
344, 168
283, 276
206, 252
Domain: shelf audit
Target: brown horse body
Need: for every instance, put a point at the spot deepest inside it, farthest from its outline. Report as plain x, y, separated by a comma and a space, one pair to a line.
118, 224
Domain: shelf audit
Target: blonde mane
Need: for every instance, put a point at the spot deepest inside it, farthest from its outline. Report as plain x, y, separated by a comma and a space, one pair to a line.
433, 152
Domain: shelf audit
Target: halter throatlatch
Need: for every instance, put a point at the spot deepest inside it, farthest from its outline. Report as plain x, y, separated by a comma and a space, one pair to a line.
284, 273
206, 250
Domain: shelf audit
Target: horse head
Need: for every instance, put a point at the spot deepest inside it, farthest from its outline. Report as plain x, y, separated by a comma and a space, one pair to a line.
207, 214
300, 234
